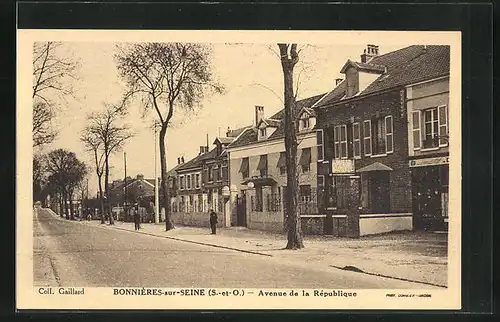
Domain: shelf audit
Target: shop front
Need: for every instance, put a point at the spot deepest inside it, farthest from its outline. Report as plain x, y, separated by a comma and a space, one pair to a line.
430, 179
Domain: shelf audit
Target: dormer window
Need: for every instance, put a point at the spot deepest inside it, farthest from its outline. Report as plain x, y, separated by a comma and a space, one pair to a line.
305, 123
263, 132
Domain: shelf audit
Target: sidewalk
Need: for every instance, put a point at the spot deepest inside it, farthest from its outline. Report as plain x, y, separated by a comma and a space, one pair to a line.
413, 256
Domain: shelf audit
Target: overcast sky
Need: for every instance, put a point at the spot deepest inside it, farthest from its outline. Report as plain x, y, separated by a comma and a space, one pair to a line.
251, 74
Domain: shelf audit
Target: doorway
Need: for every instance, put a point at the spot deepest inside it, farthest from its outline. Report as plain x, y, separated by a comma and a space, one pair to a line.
241, 209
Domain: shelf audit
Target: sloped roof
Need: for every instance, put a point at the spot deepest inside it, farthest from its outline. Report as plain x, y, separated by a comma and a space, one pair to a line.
404, 66
224, 140
363, 66
272, 122
377, 166
236, 132
250, 135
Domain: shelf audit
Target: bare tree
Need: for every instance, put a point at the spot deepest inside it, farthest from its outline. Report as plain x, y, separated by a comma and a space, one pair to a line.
104, 135
166, 77
52, 73
289, 57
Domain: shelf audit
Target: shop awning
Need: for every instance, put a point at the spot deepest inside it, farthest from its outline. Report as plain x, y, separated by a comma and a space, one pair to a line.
305, 157
262, 163
244, 165
377, 166
282, 160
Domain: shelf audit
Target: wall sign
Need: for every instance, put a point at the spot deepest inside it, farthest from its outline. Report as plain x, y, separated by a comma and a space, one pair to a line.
342, 166
428, 162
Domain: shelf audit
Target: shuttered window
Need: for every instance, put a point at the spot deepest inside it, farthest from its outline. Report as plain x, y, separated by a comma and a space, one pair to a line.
389, 135
367, 137
443, 125
417, 138
356, 140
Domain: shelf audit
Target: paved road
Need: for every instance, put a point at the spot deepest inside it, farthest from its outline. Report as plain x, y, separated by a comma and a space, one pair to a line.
69, 253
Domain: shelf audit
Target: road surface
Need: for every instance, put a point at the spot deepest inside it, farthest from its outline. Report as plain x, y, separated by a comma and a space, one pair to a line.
68, 253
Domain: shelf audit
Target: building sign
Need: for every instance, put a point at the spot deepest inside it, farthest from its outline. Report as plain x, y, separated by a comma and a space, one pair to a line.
342, 166
428, 162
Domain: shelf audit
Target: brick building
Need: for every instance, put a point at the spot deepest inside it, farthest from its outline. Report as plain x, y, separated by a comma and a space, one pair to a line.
363, 135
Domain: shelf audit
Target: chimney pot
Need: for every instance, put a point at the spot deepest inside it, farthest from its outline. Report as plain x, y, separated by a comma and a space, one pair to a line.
259, 114
178, 160
368, 53
182, 159
338, 81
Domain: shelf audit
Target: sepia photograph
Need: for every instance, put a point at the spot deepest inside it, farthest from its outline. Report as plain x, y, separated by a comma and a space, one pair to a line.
210, 169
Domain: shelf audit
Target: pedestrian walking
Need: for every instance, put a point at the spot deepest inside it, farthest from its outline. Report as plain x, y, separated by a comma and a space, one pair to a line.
137, 219
213, 221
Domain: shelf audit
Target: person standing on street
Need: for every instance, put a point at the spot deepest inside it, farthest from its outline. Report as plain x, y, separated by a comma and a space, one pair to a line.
137, 219
213, 221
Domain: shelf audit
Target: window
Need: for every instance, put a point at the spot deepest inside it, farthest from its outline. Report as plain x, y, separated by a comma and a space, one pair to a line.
389, 135
305, 160
181, 182
356, 140
219, 175
188, 181
340, 141
305, 123
262, 166
282, 163
378, 143
224, 173
215, 173
197, 180
431, 128
416, 130
443, 125
210, 174
320, 145
244, 168
367, 137
263, 132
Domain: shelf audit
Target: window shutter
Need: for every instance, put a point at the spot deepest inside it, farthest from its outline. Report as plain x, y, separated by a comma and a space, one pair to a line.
367, 137
224, 173
350, 143
336, 140
416, 128
205, 175
389, 135
443, 125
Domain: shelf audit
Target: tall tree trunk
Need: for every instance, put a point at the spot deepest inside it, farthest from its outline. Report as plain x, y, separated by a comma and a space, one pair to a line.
106, 189
164, 183
65, 198
294, 235
71, 208
101, 197
61, 204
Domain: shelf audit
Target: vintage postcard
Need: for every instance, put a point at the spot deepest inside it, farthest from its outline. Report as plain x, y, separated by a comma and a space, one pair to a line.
238, 170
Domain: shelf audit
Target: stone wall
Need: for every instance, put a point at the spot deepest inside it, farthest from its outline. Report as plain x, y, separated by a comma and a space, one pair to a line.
268, 221
312, 225
196, 219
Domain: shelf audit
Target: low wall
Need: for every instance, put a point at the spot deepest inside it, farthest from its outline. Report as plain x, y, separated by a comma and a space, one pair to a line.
312, 224
268, 221
370, 224
196, 219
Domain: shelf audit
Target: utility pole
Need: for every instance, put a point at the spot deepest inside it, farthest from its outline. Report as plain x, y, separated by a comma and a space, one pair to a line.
125, 208
157, 195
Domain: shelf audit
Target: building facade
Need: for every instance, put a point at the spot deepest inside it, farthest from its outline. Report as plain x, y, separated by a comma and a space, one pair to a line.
364, 133
200, 185
428, 133
258, 170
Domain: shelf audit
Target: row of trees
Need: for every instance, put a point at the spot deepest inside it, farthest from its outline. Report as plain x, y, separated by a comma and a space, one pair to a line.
163, 78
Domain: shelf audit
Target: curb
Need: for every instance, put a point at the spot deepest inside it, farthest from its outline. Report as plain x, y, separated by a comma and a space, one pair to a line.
360, 271
190, 241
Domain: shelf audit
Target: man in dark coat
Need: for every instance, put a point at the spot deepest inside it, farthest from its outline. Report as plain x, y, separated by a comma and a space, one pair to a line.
213, 221
137, 219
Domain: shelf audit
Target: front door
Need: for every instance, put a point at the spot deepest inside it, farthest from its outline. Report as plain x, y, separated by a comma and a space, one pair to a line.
379, 184
427, 199
241, 210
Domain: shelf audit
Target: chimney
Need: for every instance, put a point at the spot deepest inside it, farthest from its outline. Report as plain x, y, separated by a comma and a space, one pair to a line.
140, 177
182, 159
338, 81
178, 160
370, 52
228, 132
259, 114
